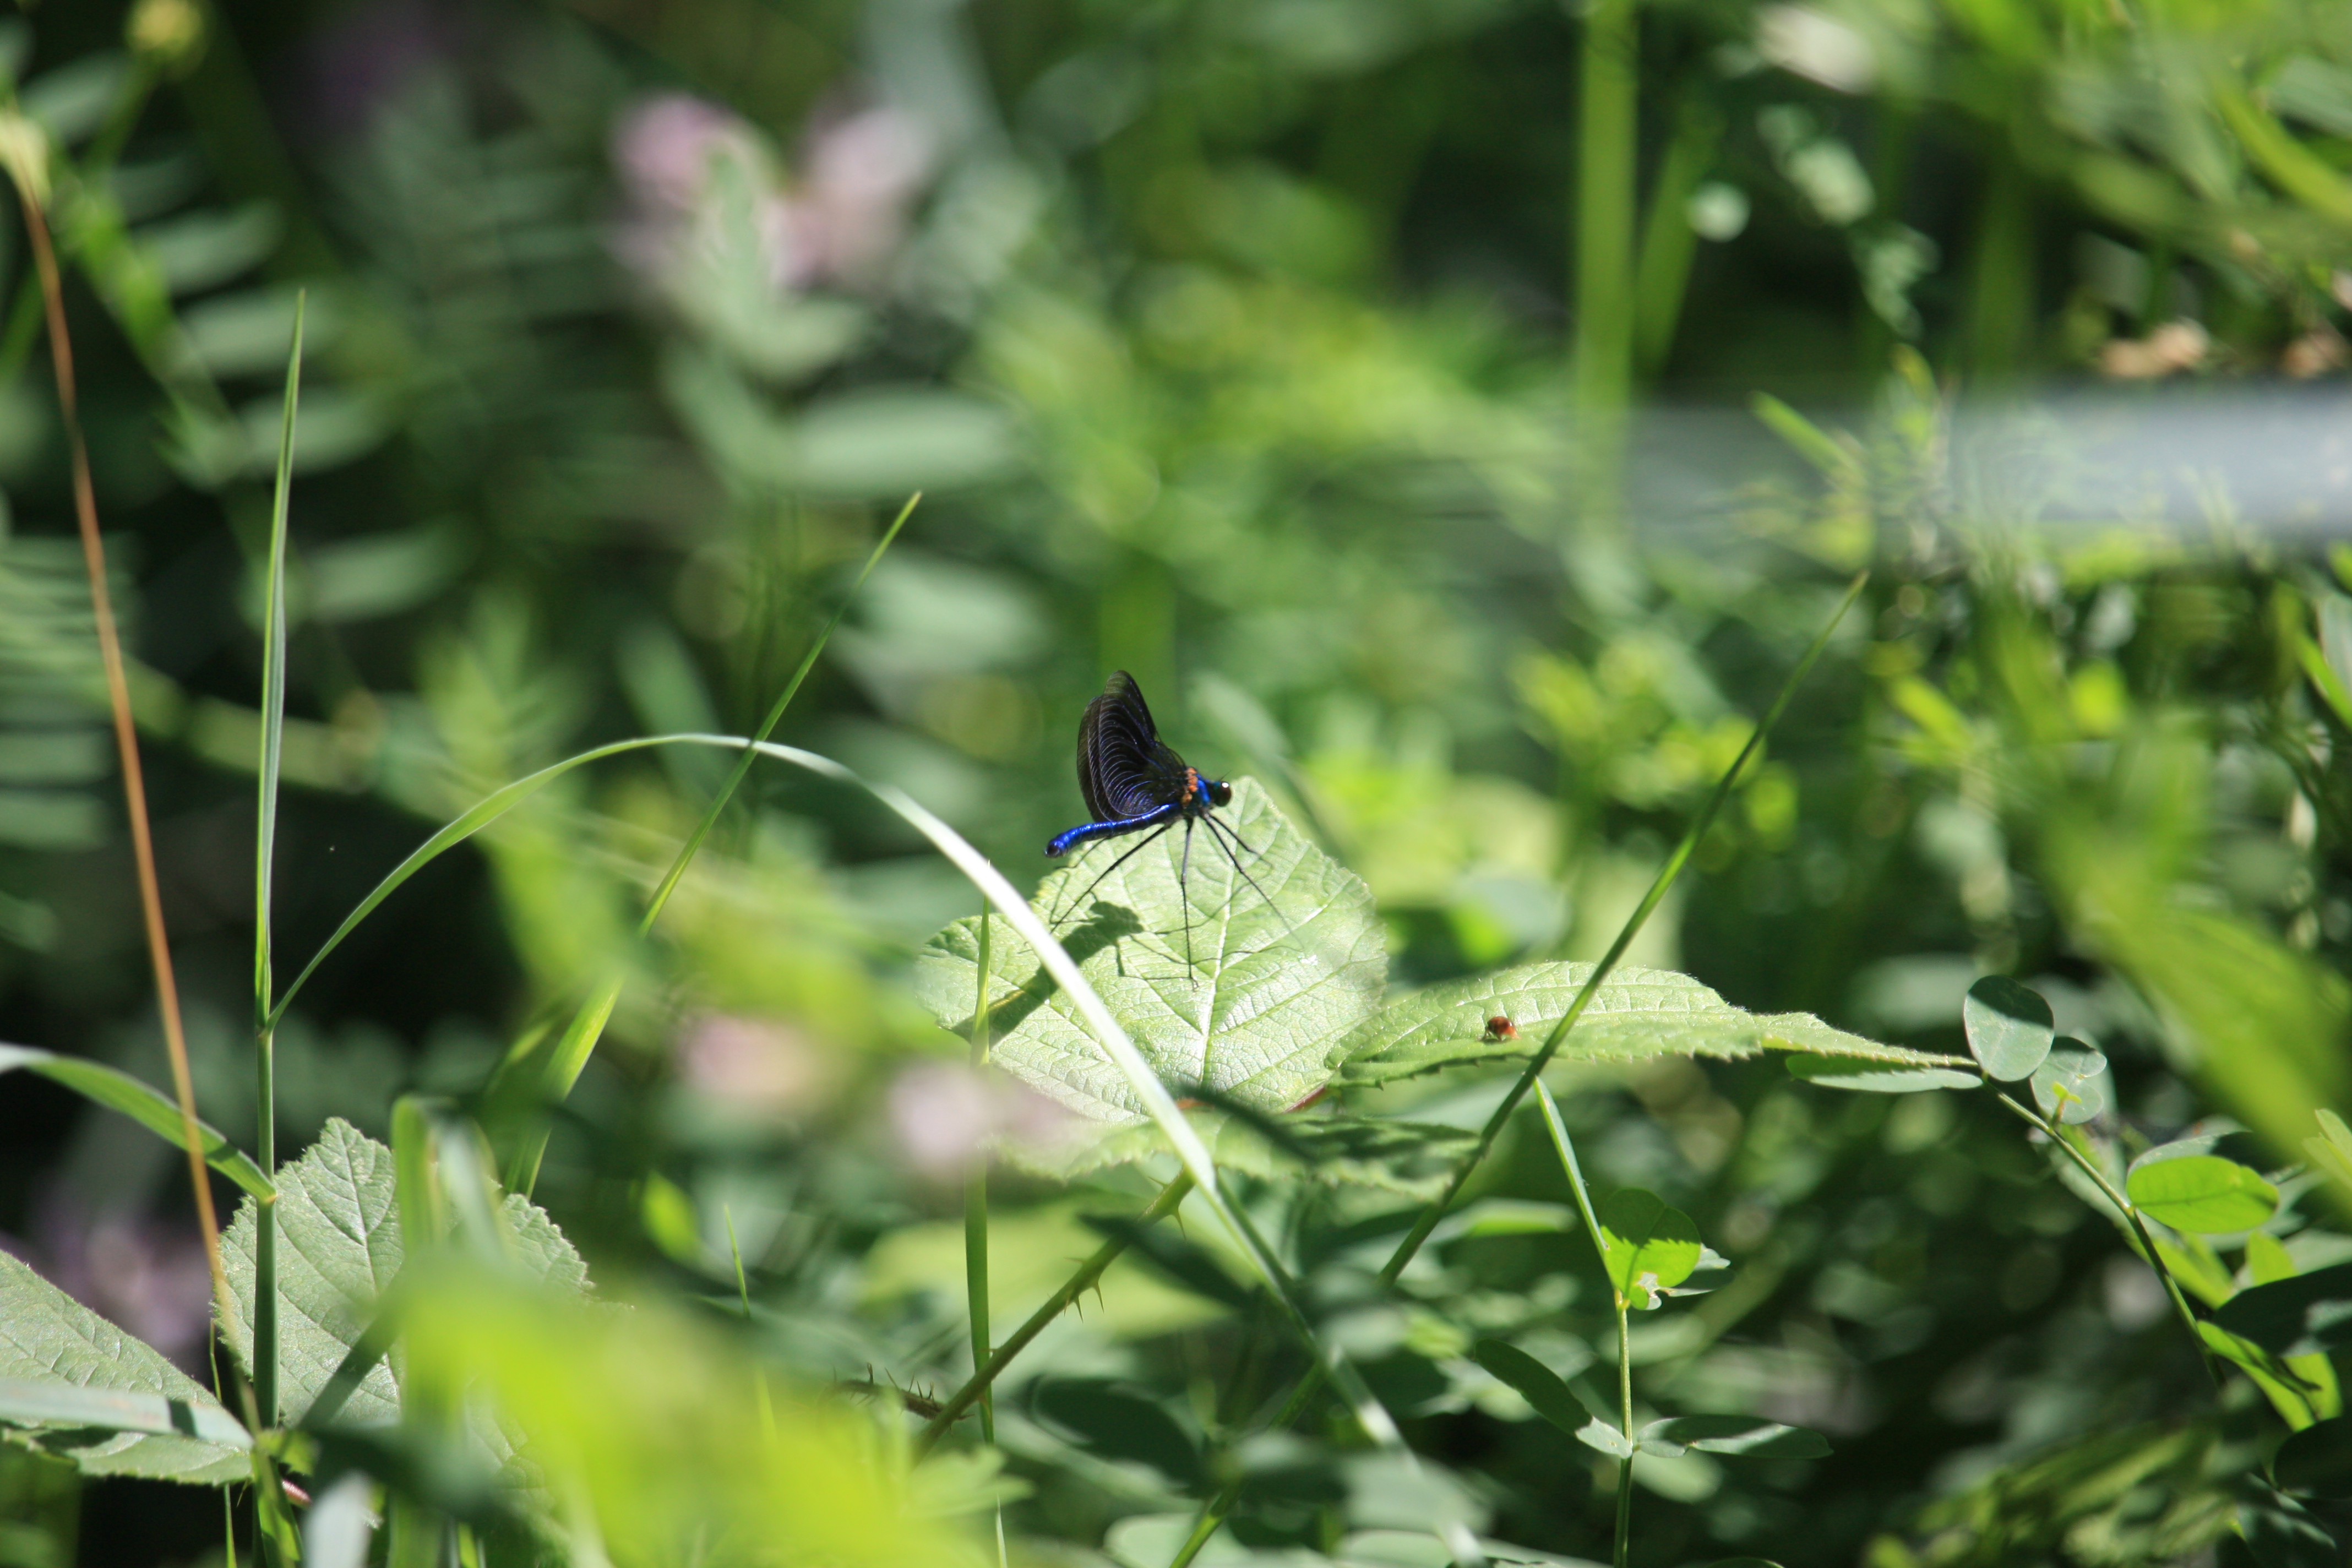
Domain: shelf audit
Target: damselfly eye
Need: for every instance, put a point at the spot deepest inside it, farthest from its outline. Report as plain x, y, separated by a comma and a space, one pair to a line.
1220, 793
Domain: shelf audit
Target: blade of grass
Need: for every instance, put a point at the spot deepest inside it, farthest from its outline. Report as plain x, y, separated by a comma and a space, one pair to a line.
1214, 1513
265, 853
578, 1041
975, 1213
151, 1107
126, 739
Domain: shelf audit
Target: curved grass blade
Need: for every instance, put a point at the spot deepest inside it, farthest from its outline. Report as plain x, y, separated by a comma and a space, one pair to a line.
149, 1107
578, 1042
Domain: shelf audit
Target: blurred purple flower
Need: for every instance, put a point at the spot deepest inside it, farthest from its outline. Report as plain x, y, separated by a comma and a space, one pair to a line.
367, 55
681, 160
138, 1274
947, 1117
755, 1067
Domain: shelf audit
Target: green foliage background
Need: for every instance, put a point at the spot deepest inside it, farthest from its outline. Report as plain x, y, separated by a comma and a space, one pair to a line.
1408, 394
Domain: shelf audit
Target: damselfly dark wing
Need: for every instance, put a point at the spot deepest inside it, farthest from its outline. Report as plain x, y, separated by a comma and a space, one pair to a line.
1123, 767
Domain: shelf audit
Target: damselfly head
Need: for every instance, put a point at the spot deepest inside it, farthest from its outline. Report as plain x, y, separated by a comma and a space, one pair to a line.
1219, 792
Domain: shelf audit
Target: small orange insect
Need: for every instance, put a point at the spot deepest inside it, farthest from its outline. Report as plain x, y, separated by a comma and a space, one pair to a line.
1501, 1028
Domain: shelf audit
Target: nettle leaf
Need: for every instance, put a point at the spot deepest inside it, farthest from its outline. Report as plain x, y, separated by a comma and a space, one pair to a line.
74, 1386
1252, 1017
339, 1248
1636, 1014
1647, 1245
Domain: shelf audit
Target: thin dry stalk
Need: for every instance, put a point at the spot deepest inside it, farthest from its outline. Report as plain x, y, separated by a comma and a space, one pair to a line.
126, 740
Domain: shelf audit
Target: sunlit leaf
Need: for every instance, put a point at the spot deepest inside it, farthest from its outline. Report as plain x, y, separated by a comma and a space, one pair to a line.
73, 1385
1269, 985
1635, 1016
1647, 1245
2202, 1193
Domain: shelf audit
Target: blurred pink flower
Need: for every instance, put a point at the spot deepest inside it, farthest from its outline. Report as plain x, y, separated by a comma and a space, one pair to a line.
755, 1067
838, 225
865, 169
947, 1117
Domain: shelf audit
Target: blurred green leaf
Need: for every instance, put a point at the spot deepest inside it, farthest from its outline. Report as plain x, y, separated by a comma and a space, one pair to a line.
1738, 1435
1269, 988
2316, 1461
2307, 1315
76, 1386
1545, 1392
2009, 1028
2202, 1193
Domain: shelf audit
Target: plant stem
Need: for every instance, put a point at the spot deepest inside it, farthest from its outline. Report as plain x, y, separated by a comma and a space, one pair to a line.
1625, 1428
1075, 1286
2136, 1228
1214, 1513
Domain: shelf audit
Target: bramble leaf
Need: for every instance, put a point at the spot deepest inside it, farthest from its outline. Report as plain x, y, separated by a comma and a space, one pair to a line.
74, 1386
1268, 988
1635, 1016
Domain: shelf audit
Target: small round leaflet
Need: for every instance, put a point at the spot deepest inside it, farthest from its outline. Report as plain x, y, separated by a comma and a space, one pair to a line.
2071, 1085
2010, 1027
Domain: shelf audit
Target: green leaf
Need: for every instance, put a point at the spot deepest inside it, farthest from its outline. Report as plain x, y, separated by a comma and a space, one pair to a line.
1738, 1435
1647, 1245
2317, 1460
2202, 1193
1880, 1077
2073, 1084
2332, 1152
2307, 1315
1600, 1434
151, 1107
1268, 988
340, 1248
2010, 1027
74, 1386
1545, 1392
1636, 1014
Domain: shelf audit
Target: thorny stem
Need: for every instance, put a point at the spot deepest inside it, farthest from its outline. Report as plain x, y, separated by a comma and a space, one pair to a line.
1310, 1383
1077, 1285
